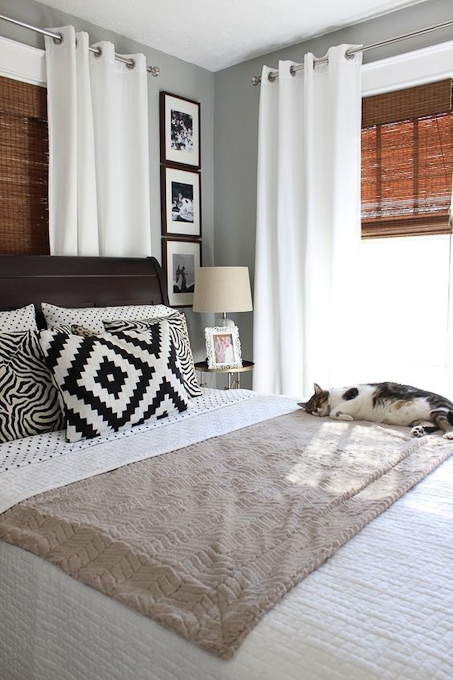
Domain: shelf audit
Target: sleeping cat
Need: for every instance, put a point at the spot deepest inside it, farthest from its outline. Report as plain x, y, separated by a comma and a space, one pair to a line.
385, 402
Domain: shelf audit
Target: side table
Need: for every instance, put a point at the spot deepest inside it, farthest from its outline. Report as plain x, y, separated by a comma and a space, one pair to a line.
233, 383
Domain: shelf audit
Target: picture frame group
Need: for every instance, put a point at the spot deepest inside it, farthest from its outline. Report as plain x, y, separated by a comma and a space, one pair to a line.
180, 180
223, 347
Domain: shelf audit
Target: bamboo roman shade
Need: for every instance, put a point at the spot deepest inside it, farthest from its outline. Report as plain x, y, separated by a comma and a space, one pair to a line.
407, 161
24, 148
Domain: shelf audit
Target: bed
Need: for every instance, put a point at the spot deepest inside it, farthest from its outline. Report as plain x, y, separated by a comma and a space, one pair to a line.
303, 548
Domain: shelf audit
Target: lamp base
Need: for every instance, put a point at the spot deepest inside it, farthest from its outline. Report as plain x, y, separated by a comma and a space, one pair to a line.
225, 322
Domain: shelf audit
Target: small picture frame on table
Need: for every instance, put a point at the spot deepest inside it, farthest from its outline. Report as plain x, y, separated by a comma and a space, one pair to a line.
180, 260
179, 130
223, 347
181, 202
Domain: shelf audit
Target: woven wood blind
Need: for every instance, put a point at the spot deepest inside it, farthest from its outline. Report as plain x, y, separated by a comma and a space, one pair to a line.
407, 161
24, 148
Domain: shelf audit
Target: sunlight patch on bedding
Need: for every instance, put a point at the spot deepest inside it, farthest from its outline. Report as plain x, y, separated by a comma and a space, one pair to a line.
366, 461
338, 444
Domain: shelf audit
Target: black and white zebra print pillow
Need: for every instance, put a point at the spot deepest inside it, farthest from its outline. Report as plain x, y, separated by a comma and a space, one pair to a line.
180, 336
29, 402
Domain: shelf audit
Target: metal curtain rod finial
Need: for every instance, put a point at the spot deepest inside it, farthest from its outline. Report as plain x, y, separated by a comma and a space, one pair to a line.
58, 38
273, 75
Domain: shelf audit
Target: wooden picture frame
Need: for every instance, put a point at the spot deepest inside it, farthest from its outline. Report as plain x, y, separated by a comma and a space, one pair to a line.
180, 201
223, 347
180, 259
179, 130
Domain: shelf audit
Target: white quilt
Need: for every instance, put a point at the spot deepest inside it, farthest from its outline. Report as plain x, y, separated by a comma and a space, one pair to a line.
381, 607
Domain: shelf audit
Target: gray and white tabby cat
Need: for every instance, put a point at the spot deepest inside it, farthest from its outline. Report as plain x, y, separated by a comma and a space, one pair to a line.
386, 402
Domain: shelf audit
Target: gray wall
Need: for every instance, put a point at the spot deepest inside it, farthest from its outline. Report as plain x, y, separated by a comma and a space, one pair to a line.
236, 127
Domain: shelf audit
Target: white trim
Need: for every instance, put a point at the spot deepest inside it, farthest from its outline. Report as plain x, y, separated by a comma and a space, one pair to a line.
22, 62
407, 70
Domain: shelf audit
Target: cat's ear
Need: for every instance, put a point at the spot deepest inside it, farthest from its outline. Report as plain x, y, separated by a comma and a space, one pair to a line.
302, 404
318, 389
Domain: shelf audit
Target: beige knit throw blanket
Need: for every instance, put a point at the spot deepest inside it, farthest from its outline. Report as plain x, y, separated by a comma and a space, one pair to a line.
206, 539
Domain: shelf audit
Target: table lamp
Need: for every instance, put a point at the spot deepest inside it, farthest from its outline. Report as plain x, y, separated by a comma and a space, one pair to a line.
222, 290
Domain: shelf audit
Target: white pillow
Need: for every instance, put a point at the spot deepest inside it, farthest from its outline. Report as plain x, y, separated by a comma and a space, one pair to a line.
92, 317
23, 319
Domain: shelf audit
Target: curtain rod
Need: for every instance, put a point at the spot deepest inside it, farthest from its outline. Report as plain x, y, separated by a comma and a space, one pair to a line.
256, 80
154, 70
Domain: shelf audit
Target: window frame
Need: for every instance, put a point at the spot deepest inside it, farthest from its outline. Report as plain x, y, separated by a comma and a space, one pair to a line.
22, 62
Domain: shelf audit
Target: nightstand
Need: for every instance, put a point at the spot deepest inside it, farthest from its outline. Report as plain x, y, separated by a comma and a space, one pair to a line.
233, 383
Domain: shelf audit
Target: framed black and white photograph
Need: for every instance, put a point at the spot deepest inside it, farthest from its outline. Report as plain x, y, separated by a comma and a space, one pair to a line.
223, 347
179, 130
181, 202
180, 260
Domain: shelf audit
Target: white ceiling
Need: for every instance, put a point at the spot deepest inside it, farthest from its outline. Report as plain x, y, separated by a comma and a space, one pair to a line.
216, 34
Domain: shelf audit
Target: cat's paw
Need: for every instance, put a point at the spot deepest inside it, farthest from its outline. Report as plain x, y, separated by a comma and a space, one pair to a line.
448, 435
339, 415
418, 431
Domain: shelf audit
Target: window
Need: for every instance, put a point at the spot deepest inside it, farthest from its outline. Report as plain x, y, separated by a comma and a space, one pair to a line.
24, 224
407, 161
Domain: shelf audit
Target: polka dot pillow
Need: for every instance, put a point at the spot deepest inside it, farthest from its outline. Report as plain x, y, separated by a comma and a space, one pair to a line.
92, 318
23, 319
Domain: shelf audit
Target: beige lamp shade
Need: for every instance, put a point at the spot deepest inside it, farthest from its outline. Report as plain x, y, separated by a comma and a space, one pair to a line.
222, 290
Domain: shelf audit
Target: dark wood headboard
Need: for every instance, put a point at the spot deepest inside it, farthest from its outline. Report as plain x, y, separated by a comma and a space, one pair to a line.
79, 281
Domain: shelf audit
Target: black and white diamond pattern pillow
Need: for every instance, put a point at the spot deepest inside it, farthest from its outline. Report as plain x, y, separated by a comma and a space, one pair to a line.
109, 382
180, 336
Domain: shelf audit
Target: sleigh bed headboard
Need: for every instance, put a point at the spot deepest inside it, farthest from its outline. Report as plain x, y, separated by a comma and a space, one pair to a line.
79, 281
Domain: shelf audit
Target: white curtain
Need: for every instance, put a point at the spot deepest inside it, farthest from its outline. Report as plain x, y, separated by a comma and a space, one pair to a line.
448, 390
308, 223
98, 150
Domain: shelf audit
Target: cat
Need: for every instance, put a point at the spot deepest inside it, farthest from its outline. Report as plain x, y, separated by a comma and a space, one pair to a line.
385, 402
